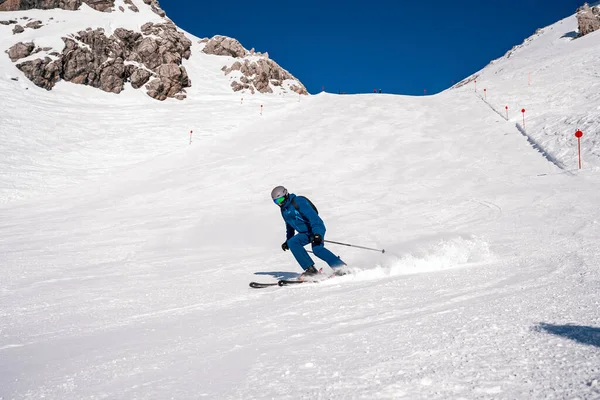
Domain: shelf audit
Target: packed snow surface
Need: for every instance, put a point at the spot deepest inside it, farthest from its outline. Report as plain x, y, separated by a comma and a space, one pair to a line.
126, 251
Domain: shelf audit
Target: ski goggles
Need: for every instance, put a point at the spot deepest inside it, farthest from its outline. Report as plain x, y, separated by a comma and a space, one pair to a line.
279, 201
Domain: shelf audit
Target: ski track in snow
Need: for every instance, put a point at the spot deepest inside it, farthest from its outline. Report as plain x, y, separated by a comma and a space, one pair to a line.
126, 252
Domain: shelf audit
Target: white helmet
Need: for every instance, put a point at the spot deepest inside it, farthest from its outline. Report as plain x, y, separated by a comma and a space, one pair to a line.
278, 194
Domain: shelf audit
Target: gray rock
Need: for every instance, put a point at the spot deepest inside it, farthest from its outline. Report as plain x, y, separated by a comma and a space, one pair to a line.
263, 74
173, 46
34, 25
588, 19
132, 6
112, 78
101, 5
20, 50
156, 7
261, 83
171, 80
9, 22
15, 5
236, 86
92, 58
42, 72
140, 77
18, 29
225, 46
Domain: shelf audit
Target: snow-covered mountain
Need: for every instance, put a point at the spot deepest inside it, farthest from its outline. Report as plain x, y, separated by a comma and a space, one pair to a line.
127, 241
123, 45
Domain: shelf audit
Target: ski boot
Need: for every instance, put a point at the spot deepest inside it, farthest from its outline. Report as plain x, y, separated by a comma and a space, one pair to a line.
309, 272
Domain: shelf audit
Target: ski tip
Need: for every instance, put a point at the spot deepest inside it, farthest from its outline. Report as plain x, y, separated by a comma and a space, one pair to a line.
257, 285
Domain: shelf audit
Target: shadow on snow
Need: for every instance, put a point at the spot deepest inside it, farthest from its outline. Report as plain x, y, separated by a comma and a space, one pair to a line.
570, 35
279, 274
582, 334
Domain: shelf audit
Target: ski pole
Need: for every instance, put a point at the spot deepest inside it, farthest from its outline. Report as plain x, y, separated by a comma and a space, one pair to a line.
353, 245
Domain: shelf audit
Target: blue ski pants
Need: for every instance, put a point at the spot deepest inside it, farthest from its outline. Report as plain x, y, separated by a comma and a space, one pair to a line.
296, 245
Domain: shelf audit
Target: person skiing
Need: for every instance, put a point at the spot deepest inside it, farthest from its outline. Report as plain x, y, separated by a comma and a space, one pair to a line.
301, 216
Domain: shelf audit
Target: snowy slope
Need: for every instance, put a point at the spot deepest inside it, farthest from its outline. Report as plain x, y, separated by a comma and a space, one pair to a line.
126, 252
555, 78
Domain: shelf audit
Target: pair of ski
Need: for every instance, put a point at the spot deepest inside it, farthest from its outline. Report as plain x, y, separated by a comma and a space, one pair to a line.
282, 282
288, 282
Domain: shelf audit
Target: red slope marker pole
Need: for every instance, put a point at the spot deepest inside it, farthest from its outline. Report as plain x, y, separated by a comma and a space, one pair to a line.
523, 111
261, 108
506, 112
475, 84
191, 136
485, 94
578, 135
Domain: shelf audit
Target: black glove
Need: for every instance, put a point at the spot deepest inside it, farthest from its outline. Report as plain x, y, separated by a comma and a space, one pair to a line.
317, 240
285, 246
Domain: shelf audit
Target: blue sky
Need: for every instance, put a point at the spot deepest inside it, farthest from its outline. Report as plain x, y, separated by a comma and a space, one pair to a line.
355, 46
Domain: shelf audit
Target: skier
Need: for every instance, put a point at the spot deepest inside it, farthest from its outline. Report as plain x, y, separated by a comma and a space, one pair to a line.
301, 216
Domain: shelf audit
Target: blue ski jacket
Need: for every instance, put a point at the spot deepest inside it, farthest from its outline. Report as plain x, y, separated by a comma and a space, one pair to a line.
304, 220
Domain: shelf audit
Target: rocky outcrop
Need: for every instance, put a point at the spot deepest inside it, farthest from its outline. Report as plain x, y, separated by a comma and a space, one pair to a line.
20, 50
588, 19
172, 47
224, 46
15, 5
108, 62
155, 7
150, 58
258, 75
262, 74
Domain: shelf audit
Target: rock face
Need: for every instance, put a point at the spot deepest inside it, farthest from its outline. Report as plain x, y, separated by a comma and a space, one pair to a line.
224, 46
588, 19
257, 74
171, 79
15, 5
108, 62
